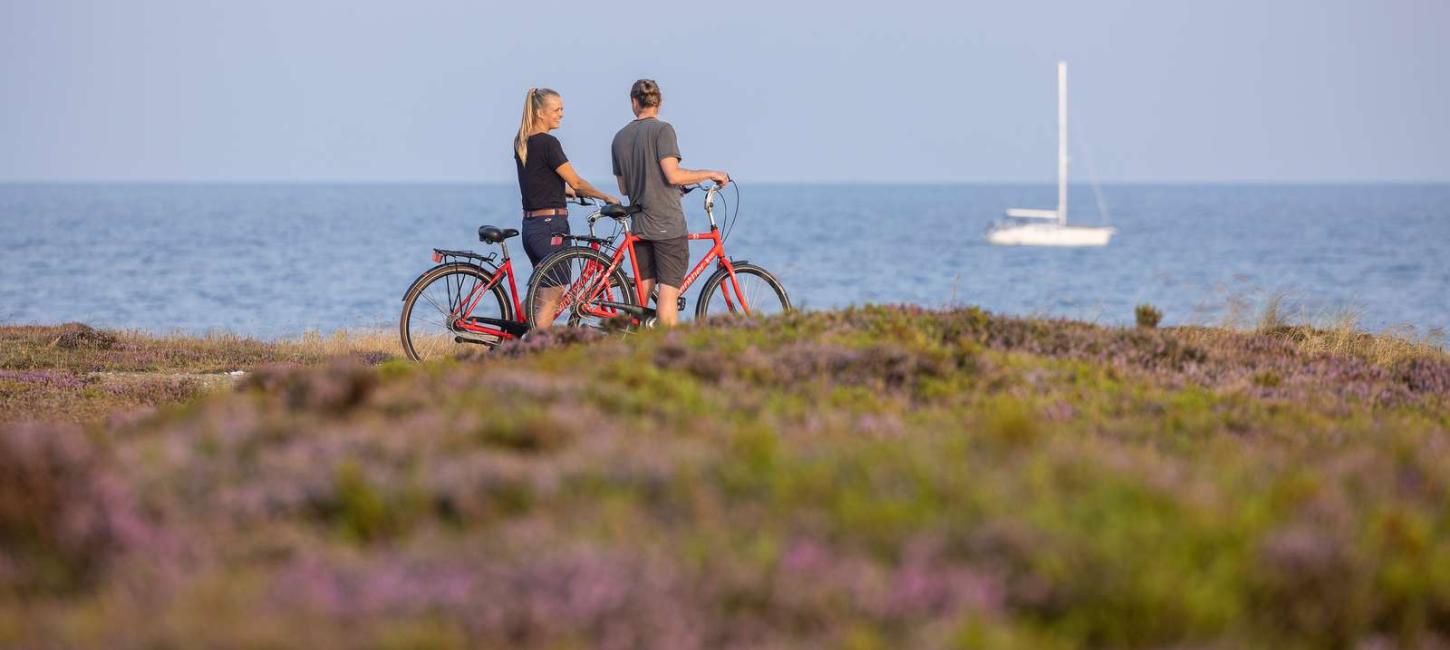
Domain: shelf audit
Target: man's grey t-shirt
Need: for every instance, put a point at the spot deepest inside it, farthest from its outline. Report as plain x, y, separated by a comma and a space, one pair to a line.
637, 151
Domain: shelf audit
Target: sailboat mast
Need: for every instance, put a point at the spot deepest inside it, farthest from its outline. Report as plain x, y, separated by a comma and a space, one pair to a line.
1062, 142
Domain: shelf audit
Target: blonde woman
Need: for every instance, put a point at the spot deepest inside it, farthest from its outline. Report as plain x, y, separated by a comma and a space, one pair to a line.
545, 175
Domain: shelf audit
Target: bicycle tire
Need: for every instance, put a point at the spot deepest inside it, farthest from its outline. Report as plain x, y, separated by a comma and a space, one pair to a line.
438, 347
621, 289
773, 301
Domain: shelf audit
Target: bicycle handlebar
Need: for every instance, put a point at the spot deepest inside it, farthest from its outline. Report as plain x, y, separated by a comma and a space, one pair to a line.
686, 189
710, 193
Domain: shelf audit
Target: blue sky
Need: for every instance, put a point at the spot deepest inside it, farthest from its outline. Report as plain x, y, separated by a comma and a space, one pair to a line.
307, 90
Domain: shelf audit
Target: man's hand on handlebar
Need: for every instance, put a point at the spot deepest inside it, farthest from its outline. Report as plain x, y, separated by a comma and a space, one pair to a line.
719, 184
721, 178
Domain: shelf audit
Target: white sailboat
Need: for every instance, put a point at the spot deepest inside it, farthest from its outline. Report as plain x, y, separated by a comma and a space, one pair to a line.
1024, 227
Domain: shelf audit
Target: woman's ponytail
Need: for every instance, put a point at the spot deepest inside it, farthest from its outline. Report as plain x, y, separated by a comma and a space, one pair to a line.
533, 101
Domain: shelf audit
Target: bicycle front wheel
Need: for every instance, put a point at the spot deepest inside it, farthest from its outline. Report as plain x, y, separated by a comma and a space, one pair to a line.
760, 294
570, 288
433, 311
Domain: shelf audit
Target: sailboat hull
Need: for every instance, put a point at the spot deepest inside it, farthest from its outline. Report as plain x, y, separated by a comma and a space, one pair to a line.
1049, 234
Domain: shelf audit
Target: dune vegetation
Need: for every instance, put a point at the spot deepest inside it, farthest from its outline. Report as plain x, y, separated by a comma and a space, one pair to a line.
881, 477
75, 373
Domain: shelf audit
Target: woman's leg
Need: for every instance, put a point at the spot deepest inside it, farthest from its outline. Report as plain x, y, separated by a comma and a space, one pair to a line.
547, 303
543, 236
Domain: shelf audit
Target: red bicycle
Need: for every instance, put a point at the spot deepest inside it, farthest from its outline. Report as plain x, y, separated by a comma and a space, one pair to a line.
596, 287
467, 299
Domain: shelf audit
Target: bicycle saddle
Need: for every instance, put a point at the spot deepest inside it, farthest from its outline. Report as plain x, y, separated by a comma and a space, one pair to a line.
494, 234
617, 211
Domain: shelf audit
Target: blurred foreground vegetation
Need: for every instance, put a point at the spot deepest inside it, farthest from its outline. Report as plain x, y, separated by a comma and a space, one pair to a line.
871, 478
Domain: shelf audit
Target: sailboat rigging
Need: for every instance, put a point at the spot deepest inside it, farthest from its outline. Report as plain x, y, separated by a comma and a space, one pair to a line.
1027, 227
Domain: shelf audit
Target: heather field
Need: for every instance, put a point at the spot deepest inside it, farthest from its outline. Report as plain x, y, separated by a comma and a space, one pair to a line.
870, 478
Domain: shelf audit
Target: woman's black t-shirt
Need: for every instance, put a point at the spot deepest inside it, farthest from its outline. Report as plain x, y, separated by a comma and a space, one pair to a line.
540, 185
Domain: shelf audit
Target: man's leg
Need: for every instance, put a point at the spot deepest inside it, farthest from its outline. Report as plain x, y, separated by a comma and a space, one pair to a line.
648, 284
672, 256
644, 256
668, 305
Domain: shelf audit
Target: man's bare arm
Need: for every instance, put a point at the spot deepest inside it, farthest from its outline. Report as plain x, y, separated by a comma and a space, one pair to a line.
678, 176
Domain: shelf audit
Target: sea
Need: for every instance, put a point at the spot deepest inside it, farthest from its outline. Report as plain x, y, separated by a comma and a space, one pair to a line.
281, 261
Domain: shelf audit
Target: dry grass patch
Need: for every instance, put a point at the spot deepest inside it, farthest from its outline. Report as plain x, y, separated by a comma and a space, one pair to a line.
372, 344
76, 373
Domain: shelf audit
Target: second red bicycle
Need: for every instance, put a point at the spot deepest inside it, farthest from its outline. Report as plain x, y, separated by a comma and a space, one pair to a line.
602, 282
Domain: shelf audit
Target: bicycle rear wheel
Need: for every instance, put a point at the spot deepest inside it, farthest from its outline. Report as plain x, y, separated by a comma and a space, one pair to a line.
437, 301
572, 284
760, 295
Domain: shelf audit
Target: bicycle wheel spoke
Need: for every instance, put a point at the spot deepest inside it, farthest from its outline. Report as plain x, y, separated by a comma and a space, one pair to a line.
441, 309
754, 293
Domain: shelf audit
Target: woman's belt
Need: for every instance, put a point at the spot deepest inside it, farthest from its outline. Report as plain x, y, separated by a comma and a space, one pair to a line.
547, 212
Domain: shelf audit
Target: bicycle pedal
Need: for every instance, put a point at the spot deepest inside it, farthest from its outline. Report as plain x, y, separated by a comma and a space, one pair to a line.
654, 297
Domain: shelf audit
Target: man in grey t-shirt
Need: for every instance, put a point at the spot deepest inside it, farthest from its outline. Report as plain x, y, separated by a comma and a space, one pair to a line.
647, 165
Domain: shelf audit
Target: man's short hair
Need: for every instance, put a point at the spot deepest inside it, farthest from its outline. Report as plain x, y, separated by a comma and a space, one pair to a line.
646, 92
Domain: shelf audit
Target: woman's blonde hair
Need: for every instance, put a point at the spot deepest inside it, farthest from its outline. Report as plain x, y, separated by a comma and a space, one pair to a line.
533, 102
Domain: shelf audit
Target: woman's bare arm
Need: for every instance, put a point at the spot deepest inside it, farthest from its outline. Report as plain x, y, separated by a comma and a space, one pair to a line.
581, 186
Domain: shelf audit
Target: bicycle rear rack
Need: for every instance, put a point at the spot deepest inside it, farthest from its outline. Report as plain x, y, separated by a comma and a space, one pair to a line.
440, 256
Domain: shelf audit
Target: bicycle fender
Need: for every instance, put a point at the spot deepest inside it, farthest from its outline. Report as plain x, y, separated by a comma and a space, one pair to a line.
485, 268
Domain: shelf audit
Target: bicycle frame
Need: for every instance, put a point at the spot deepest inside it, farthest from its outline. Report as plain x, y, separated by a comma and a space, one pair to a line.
716, 254
461, 318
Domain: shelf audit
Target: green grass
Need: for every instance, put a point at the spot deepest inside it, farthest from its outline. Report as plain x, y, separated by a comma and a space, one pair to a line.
870, 478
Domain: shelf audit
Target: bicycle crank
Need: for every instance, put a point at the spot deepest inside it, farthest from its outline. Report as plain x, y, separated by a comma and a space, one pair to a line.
632, 310
481, 339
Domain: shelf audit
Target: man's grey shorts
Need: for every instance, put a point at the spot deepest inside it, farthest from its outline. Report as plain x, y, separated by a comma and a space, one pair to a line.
664, 259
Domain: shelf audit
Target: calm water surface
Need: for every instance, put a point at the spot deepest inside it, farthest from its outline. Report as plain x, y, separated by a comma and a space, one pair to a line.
278, 260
